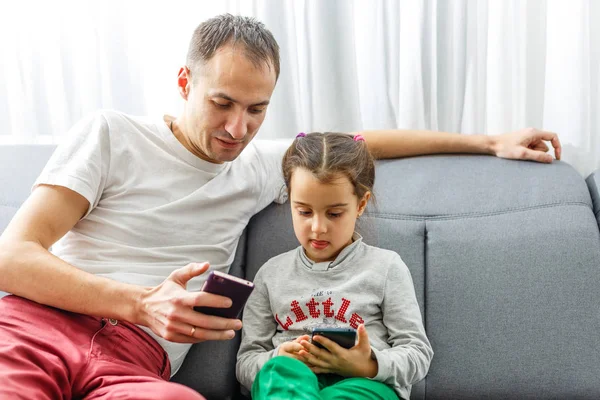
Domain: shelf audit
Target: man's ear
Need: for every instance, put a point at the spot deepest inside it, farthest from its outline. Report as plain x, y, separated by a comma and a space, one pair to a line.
362, 204
184, 81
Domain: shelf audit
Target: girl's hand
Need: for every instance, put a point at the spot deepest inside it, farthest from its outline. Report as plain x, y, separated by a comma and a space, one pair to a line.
356, 361
293, 347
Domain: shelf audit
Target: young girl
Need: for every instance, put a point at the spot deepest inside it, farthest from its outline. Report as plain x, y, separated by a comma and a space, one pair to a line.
333, 279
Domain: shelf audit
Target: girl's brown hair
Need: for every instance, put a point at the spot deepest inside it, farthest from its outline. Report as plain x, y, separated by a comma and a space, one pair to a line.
328, 155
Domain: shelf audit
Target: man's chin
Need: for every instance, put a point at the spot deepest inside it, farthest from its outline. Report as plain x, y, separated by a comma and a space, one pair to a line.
226, 156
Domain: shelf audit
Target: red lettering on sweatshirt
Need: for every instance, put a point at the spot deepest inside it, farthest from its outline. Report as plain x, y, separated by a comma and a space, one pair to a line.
288, 322
315, 312
356, 320
312, 308
342, 310
296, 309
327, 308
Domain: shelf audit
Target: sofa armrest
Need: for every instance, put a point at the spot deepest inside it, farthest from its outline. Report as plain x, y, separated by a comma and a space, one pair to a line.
593, 183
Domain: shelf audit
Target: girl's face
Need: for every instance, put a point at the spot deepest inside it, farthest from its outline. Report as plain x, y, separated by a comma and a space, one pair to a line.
324, 215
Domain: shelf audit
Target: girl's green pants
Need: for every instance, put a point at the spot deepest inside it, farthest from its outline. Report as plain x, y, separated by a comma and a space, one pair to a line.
284, 378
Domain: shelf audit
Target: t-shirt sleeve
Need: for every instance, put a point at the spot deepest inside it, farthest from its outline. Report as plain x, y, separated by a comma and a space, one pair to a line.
270, 153
81, 161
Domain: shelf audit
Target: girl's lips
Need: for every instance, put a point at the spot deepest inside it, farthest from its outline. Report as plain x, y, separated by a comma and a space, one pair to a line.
319, 244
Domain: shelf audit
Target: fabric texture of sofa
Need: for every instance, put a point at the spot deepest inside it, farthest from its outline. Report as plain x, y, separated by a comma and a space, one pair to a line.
505, 258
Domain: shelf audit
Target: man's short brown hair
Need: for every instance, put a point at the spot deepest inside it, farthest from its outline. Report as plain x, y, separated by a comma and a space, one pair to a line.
257, 42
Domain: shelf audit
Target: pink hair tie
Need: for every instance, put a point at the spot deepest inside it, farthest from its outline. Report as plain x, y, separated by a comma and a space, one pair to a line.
301, 134
359, 138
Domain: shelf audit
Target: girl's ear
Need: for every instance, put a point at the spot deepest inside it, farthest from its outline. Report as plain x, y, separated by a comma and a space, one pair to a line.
362, 204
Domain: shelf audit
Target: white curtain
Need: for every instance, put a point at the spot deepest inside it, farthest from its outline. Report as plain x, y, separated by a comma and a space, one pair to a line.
469, 66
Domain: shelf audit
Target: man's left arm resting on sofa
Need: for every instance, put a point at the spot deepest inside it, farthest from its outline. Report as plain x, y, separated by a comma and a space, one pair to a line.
525, 144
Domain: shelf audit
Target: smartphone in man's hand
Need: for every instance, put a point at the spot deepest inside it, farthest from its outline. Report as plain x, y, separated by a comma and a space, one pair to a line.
237, 289
345, 337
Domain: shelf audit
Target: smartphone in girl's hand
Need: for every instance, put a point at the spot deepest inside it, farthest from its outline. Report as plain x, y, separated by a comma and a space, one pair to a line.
237, 289
345, 337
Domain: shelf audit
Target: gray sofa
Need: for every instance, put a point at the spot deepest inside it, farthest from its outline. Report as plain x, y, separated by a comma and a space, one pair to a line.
505, 257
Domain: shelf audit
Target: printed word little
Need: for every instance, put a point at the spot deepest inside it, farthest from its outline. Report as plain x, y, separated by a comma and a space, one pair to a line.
314, 311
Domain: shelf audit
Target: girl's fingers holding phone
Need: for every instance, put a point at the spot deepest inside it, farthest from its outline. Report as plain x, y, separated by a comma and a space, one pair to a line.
291, 347
309, 347
319, 370
362, 344
330, 346
299, 339
315, 361
314, 351
303, 353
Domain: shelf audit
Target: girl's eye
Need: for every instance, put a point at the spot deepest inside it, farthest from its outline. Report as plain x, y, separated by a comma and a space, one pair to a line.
335, 215
304, 213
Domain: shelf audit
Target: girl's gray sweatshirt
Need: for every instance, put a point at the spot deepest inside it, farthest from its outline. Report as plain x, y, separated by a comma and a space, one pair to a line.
364, 284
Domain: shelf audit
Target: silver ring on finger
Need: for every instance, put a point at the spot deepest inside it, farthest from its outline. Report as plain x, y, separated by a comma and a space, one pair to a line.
193, 331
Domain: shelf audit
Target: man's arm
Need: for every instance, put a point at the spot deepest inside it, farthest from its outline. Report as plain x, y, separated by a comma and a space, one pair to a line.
527, 144
28, 269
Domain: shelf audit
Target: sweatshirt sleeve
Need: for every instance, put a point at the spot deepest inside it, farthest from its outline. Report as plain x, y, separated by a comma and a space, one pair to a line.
258, 330
408, 359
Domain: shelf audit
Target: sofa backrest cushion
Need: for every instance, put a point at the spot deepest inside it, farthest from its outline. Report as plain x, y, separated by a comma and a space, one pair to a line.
21, 165
504, 256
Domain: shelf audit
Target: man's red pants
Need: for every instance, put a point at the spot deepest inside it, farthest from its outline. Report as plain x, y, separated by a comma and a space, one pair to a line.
47, 353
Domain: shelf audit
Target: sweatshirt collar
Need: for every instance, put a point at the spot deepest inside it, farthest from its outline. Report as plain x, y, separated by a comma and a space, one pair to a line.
344, 255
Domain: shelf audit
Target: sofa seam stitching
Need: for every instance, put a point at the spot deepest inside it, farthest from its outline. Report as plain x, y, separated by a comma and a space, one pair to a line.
471, 214
15, 205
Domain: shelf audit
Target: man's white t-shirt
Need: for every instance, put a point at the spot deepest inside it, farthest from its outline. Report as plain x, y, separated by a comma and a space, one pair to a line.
154, 206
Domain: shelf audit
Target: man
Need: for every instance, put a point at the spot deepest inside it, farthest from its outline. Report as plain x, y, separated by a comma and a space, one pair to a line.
130, 205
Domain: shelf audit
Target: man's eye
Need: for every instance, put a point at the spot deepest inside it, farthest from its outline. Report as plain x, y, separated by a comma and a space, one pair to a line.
221, 105
256, 110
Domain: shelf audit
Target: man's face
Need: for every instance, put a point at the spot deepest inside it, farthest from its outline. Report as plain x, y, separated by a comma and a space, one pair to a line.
227, 101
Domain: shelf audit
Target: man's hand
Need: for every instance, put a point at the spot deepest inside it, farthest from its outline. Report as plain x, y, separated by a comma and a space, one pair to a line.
293, 347
168, 310
335, 359
526, 144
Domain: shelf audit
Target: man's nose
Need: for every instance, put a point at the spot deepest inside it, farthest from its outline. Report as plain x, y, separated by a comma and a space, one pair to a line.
237, 126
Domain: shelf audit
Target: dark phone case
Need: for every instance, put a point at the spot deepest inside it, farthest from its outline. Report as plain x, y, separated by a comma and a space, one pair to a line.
345, 337
236, 291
